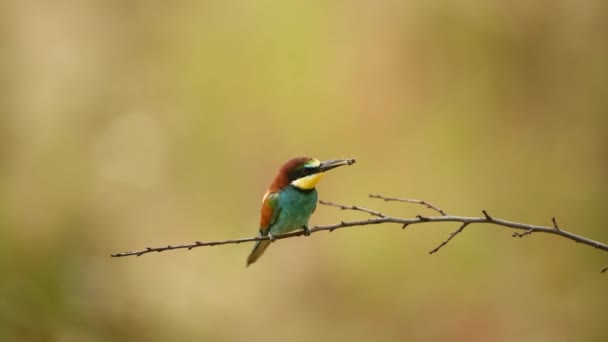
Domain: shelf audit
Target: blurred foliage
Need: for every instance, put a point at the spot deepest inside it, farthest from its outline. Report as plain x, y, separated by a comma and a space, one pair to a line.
127, 124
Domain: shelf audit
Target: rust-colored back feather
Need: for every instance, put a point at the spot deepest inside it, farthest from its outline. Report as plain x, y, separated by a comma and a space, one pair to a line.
267, 212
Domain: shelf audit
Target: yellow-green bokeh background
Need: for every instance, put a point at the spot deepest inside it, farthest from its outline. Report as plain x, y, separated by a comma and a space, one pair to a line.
125, 124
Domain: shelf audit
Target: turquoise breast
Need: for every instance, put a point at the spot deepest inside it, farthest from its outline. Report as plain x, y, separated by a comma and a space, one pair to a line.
295, 208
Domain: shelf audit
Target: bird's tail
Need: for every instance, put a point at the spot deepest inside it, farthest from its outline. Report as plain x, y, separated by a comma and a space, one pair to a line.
258, 250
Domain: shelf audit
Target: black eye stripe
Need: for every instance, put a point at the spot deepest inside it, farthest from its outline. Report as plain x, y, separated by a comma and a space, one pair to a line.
302, 171
308, 170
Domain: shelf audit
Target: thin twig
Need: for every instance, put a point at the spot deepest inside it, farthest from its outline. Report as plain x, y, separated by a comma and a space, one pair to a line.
452, 235
409, 200
382, 219
352, 207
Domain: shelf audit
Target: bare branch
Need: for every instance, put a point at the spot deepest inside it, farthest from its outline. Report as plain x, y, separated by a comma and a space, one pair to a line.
409, 200
380, 218
452, 235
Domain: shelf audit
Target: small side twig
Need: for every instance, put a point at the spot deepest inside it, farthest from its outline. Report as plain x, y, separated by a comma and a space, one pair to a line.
409, 200
422, 218
452, 235
555, 223
527, 232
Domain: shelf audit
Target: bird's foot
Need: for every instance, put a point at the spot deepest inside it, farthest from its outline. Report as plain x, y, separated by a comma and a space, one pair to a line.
271, 237
306, 230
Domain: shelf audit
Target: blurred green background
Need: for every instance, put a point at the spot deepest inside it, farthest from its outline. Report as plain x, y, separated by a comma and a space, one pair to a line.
127, 124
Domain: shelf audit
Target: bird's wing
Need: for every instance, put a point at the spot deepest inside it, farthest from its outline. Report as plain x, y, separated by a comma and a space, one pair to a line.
270, 211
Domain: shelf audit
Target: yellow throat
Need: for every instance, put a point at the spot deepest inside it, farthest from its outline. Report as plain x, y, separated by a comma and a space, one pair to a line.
308, 182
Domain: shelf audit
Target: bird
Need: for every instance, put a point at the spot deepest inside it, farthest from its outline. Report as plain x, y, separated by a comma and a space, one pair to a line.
291, 199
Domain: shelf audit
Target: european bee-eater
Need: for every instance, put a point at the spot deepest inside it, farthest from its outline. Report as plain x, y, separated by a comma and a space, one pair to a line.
291, 199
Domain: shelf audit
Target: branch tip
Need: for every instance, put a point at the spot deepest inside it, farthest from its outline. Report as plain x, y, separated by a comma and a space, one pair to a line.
488, 217
379, 197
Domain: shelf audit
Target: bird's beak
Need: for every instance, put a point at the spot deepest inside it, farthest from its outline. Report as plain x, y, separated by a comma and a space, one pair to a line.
331, 164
